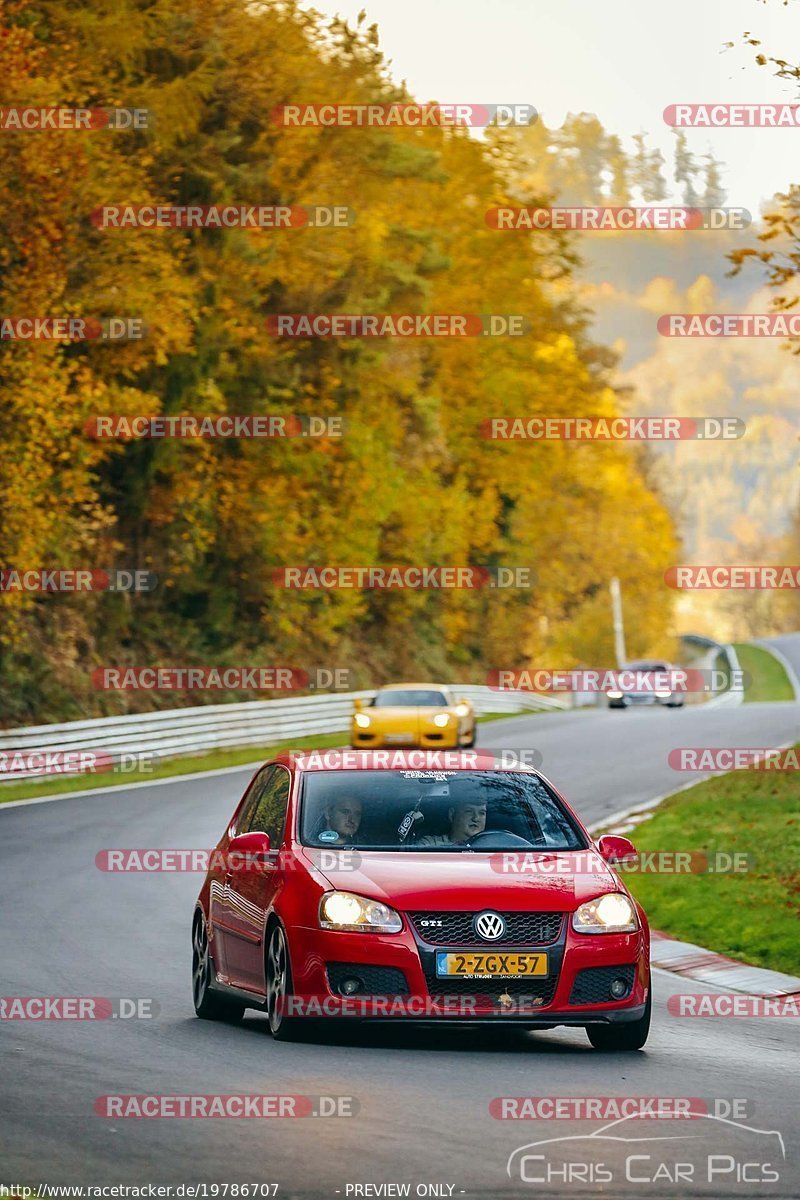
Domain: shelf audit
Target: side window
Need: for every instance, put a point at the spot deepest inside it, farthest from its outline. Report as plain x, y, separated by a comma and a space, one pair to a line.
269, 813
253, 796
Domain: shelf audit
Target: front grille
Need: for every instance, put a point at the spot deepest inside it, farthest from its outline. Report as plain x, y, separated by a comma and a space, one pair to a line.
593, 985
456, 928
376, 981
537, 992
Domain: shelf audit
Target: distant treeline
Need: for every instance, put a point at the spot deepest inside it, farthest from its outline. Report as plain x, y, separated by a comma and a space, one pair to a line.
411, 480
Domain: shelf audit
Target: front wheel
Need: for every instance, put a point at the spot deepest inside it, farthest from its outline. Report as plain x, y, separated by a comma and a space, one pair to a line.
630, 1036
471, 741
207, 1004
279, 987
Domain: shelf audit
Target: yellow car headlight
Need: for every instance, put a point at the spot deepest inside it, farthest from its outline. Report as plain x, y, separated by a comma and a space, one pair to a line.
441, 719
347, 912
611, 913
362, 720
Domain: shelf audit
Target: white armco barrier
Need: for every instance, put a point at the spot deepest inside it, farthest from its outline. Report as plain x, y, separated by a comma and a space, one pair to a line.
175, 731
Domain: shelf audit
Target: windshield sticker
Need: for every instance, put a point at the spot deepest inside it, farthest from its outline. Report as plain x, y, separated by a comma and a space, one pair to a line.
439, 776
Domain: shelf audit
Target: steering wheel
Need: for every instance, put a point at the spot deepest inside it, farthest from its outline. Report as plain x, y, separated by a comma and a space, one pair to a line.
502, 838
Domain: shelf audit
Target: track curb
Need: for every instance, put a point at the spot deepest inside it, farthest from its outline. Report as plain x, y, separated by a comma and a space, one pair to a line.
706, 966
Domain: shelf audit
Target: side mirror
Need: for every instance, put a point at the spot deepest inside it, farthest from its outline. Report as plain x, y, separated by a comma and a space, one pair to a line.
615, 849
248, 850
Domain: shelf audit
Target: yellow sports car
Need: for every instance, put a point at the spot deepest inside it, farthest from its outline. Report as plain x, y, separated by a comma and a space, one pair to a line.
413, 714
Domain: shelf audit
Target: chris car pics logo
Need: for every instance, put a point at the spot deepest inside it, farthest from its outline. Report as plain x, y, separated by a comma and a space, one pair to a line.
713, 1151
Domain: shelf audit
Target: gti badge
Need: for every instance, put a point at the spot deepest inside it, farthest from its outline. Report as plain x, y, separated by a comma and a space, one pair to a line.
490, 926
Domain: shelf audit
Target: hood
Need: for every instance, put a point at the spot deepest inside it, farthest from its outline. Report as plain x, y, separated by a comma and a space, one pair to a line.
468, 881
398, 712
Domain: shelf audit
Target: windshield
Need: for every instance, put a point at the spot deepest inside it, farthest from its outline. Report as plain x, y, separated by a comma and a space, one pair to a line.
409, 698
434, 810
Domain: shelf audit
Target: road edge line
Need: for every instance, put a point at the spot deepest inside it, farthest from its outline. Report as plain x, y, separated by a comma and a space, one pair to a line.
128, 787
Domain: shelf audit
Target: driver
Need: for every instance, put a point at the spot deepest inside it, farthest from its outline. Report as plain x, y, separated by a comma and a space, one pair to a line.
467, 819
341, 819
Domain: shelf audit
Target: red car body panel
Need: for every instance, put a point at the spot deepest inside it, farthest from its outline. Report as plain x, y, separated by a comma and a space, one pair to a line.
239, 907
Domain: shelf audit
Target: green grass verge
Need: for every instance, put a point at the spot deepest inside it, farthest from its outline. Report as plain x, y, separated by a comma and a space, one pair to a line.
751, 916
487, 718
214, 760
722, 665
769, 680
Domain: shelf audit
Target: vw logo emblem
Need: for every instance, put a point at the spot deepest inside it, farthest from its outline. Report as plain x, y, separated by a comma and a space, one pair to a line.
490, 926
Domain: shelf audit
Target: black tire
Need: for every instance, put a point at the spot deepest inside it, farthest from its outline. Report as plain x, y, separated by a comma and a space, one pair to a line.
630, 1036
208, 1005
279, 986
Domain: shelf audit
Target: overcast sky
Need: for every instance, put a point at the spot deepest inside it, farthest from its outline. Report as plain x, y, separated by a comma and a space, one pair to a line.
624, 60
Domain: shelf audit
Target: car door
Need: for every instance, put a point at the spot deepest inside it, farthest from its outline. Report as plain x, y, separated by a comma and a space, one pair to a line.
251, 890
218, 900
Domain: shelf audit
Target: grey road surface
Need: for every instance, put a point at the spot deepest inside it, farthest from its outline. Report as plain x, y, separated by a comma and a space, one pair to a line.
423, 1095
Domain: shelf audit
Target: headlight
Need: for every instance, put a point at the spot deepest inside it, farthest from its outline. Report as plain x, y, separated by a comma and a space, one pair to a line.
441, 719
462, 710
614, 695
612, 913
362, 720
663, 695
345, 911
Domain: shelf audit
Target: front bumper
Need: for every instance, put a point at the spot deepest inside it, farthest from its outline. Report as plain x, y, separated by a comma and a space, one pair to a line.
433, 739
532, 1001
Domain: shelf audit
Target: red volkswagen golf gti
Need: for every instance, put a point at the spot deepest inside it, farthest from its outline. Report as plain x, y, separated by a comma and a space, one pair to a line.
420, 886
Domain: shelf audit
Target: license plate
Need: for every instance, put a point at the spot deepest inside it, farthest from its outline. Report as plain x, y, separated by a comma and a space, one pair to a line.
491, 966
398, 737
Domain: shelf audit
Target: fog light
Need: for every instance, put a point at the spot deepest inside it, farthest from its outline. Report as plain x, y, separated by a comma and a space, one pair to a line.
349, 987
619, 988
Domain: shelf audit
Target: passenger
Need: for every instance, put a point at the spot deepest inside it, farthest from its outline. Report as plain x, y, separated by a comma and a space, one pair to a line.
467, 819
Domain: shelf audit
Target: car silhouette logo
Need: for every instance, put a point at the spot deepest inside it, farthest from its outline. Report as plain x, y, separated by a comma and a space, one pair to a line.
613, 1132
490, 926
